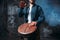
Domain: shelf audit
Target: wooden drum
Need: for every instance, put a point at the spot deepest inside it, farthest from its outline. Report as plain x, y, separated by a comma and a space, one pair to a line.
25, 29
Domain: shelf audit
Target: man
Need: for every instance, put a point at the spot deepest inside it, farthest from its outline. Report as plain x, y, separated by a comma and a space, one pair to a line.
34, 15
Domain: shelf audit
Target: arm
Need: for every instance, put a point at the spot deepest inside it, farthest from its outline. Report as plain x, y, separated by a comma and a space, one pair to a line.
41, 15
21, 12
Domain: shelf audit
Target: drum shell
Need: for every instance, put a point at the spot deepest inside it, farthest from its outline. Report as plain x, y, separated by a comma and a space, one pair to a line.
28, 35
24, 27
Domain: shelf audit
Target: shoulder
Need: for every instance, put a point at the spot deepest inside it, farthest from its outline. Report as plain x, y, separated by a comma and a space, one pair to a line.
39, 7
25, 8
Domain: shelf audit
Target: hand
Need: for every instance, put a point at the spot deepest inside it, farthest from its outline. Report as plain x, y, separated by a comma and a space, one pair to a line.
33, 23
22, 4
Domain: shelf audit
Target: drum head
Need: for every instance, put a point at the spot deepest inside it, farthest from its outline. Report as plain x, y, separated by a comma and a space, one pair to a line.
26, 29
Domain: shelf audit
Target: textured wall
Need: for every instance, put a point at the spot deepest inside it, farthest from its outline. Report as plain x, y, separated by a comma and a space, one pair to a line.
51, 10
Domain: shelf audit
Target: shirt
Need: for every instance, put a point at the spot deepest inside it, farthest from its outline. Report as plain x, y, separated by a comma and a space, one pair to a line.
29, 15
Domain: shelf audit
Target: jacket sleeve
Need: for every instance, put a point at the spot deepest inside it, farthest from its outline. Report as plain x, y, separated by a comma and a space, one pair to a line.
21, 12
41, 15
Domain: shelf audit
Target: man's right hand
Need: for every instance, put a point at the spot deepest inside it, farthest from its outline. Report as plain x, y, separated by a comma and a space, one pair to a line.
22, 4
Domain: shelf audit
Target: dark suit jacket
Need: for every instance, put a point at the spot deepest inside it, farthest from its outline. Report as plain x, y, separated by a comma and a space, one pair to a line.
36, 13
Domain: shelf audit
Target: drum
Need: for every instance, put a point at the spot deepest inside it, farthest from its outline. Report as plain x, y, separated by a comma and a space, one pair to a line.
25, 29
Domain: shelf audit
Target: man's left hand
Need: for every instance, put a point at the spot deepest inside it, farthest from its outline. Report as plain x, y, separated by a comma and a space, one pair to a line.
33, 23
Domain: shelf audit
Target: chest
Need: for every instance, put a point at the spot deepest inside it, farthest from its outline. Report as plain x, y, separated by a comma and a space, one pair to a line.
32, 10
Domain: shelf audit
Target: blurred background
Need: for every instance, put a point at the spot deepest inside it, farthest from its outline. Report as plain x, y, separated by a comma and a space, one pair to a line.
10, 20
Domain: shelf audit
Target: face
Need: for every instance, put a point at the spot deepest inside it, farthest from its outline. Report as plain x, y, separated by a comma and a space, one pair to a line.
32, 1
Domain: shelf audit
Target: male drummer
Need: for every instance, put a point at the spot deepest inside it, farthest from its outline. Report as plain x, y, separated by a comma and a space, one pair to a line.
34, 15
